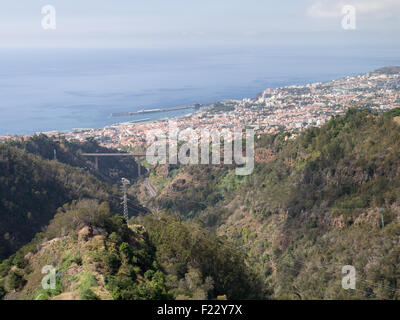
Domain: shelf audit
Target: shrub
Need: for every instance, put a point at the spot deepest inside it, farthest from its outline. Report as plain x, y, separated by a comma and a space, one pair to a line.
15, 281
87, 282
77, 215
2, 291
42, 296
19, 260
5, 267
126, 252
88, 294
121, 288
115, 238
113, 262
148, 275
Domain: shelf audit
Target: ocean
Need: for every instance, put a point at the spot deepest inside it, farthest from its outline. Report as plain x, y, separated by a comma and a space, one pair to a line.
61, 89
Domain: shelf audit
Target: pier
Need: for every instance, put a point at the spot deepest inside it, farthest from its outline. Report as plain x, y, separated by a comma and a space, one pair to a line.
126, 114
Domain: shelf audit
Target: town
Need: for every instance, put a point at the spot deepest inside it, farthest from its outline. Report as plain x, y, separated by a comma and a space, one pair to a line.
291, 109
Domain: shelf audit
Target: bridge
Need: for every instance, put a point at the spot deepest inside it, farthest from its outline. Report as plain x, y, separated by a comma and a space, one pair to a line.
97, 155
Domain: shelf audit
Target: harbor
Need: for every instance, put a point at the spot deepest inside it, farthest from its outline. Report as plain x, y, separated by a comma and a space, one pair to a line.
126, 114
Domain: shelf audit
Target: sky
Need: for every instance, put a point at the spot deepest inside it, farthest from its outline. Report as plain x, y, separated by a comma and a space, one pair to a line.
153, 23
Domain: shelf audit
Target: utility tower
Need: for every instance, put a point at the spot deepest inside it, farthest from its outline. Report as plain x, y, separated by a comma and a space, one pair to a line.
125, 183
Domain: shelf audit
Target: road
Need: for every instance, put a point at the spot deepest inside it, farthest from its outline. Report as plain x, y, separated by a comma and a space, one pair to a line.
150, 188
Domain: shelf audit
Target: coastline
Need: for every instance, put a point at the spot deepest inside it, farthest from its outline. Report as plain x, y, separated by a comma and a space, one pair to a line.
292, 108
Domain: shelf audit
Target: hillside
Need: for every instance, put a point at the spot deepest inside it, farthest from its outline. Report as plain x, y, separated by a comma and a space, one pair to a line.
96, 255
110, 169
388, 70
92, 251
33, 187
316, 202
329, 198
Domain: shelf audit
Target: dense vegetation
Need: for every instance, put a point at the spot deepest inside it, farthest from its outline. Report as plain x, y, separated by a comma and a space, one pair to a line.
100, 257
315, 203
33, 186
350, 163
95, 251
110, 169
328, 198
199, 265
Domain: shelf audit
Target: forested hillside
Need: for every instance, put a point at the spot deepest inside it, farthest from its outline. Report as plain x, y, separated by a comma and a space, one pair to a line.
316, 202
329, 198
97, 255
34, 185
110, 169
31, 190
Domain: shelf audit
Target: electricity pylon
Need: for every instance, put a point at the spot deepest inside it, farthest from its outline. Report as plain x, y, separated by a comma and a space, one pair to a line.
125, 183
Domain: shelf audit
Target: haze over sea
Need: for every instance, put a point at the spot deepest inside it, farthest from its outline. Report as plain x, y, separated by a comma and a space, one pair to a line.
62, 89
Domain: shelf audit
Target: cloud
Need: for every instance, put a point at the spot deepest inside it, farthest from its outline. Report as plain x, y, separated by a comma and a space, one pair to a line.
323, 9
379, 9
